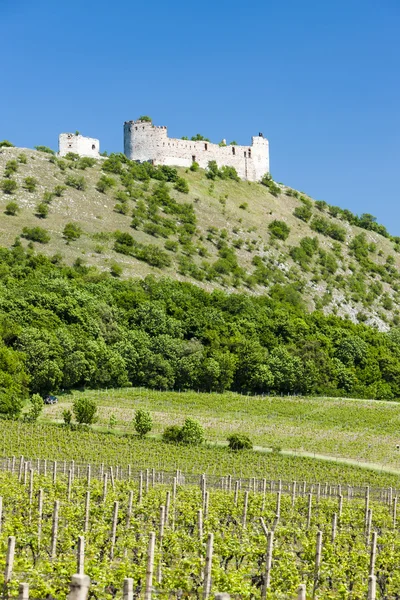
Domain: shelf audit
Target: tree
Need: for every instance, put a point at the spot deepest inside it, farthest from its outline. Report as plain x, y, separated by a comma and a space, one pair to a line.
143, 422
6, 144
192, 433
182, 185
42, 210
36, 408
279, 229
36, 234
10, 404
44, 149
30, 184
145, 119
239, 441
67, 416
76, 181
85, 410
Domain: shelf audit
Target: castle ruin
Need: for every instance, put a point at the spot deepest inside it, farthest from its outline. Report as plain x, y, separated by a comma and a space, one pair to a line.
78, 144
144, 141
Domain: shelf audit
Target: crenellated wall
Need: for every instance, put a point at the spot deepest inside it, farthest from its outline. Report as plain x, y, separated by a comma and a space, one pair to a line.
144, 141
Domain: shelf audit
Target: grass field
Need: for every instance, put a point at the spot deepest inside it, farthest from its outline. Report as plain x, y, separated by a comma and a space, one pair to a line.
362, 430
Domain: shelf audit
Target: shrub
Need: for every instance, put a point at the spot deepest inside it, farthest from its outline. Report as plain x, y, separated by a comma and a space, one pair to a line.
42, 210
199, 138
85, 161
143, 422
182, 185
145, 119
11, 167
270, 184
85, 410
172, 434
192, 433
48, 196
76, 181
104, 183
35, 408
36, 234
59, 190
238, 441
10, 404
12, 208
6, 144
171, 245
67, 416
303, 212
22, 158
244, 206
194, 166
72, 232
72, 156
115, 269
44, 149
279, 229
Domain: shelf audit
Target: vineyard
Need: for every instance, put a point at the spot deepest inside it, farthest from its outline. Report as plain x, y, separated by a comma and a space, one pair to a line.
180, 536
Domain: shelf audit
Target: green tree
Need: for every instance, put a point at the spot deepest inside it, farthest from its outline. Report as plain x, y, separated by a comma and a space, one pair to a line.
36, 234
12, 208
35, 409
72, 232
59, 190
181, 185
42, 210
143, 422
192, 433
76, 181
44, 149
6, 144
85, 410
239, 441
67, 416
30, 184
145, 119
8, 186
279, 229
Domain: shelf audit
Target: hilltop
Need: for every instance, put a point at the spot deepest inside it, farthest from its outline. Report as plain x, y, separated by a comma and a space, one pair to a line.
218, 233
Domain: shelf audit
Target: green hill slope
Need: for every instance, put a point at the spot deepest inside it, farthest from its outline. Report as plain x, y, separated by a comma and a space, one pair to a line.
221, 234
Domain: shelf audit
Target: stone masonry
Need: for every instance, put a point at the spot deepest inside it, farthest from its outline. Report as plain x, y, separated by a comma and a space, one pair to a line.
79, 144
143, 141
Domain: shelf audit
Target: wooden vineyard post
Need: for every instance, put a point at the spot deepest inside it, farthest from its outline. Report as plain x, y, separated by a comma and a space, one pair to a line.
147, 481
394, 511
207, 567
236, 492
69, 485
373, 554
23, 591
278, 504
88, 476
167, 505
105, 478
54, 529
9, 559
114, 528
128, 589
268, 564
112, 478
79, 587
264, 491
87, 512
301, 592
81, 555
318, 554
129, 509
318, 492
206, 503
245, 505
366, 506
21, 468
40, 514
162, 524
369, 526
294, 492
372, 587
200, 523
140, 491
1, 513
54, 472
150, 567
309, 508
334, 527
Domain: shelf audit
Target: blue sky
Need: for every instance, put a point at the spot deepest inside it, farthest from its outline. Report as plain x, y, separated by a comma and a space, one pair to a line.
320, 79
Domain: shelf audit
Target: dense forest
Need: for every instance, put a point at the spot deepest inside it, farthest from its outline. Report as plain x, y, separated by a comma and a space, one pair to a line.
72, 327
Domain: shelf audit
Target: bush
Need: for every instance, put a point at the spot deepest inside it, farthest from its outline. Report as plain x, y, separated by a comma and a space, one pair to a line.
85, 411
30, 184
172, 434
44, 149
303, 212
59, 190
42, 210
115, 269
194, 166
6, 144
35, 409
67, 416
76, 181
36, 234
48, 197
72, 232
238, 441
192, 433
143, 422
145, 119
12, 208
105, 183
22, 158
279, 229
10, 405
270, 184
182, 185
85, 161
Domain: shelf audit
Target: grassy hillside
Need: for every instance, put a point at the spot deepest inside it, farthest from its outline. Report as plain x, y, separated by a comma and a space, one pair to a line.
218, 235
362, 430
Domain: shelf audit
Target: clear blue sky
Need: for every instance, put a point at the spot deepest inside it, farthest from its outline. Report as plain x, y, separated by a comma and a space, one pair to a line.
320, 79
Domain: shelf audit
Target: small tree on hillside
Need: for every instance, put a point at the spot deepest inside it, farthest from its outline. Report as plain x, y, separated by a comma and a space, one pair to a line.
85, 411
143, 422
36, 408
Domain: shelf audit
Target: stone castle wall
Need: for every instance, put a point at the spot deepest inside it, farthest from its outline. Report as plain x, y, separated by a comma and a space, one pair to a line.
79, 144
143, 141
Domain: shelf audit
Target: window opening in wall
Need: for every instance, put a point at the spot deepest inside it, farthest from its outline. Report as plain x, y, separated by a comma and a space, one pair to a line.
245, 154
233, 150
136, 128
93, 147
205, 146
69, 145
249, 153
143, 127
193, 158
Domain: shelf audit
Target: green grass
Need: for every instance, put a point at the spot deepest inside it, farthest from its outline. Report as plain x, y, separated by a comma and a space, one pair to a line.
361, 430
